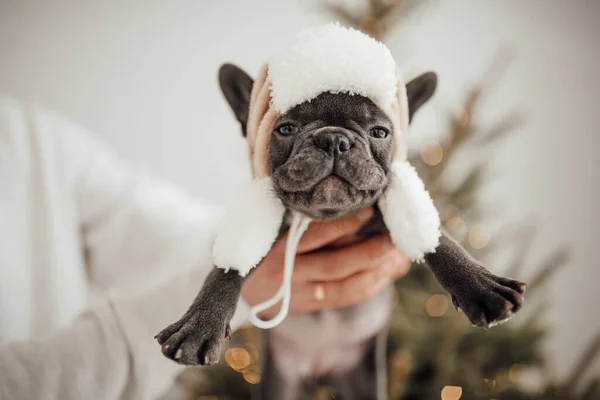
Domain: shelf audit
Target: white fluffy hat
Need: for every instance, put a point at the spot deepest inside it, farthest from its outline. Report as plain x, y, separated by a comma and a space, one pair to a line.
333, 59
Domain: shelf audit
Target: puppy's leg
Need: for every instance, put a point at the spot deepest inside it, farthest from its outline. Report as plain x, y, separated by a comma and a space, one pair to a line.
368, 381
485, 298
197, 337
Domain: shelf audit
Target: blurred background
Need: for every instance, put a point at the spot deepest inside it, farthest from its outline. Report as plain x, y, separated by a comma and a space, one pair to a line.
507, 146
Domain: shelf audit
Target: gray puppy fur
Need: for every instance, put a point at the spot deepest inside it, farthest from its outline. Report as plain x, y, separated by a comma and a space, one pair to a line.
330, 158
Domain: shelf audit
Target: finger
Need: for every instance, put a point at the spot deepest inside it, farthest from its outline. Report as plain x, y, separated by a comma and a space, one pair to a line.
304, 298
321, 233
338, 294
358, 287
345, 241
350, 291
400, 265
336, 264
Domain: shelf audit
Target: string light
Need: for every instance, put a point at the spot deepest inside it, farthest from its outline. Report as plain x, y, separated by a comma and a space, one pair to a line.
450, 211
251, 377
253, 351
462, 116
502, 378
451, 392
436, 305
478, 237
490, 382
432, 153
401, 363
514, 373
324, 393
237, 358
457, 228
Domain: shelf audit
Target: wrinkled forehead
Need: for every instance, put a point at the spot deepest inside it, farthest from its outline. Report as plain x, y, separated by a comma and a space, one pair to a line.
339, 109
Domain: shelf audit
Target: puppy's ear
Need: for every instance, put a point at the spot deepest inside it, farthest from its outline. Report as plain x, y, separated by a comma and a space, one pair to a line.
419, 90
236, 85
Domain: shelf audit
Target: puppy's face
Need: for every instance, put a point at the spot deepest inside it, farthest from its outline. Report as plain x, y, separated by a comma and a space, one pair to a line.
328, 157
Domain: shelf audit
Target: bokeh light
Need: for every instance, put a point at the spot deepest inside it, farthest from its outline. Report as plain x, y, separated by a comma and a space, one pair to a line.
436, 305
237, 358
515, 372
432, 153
490, 382
462, 116
451, 392
324, 393
478, 237
253, 351
457, 228
448, 211
251, 377
401, 363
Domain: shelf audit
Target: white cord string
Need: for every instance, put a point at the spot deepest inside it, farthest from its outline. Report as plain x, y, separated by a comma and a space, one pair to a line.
297, 228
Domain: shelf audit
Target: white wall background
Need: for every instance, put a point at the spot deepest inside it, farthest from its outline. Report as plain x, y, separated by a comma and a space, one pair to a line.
143, 76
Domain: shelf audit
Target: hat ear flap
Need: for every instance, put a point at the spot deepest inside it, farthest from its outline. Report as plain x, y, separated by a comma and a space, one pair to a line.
250, 228
409, 213
246, 236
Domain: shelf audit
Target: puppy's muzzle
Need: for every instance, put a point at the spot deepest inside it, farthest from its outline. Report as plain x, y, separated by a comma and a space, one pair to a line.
333, 142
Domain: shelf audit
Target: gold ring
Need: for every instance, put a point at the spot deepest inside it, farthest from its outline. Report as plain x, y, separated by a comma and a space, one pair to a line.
319, 292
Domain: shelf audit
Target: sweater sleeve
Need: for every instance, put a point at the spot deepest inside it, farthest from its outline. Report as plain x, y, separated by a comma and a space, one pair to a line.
107, 352
88, 359
148, 251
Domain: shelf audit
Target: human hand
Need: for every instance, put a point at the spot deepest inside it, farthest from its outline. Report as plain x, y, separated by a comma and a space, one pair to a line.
333, 268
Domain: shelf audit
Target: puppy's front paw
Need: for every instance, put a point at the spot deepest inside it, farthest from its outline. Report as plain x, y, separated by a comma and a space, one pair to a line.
490, 300
195, 339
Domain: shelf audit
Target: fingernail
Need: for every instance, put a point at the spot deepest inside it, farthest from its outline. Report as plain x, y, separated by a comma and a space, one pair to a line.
365, 214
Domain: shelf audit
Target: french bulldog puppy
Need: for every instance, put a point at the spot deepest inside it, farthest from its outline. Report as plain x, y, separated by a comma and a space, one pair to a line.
330, 158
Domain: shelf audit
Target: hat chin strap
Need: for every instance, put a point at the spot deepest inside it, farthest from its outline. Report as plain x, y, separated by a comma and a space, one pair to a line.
409, 214
252, 226
249, 228
297, 228
246, 236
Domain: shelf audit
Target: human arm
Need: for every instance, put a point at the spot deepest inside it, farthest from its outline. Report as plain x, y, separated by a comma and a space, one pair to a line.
141, 238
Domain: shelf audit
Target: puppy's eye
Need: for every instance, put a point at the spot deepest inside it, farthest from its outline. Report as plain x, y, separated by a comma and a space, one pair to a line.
287, 129
379, 133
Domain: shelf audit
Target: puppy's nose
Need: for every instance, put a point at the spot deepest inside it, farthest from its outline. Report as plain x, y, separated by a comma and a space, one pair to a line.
333, 144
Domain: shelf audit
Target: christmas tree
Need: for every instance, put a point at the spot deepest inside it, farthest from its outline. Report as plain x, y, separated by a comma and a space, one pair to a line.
433, 352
